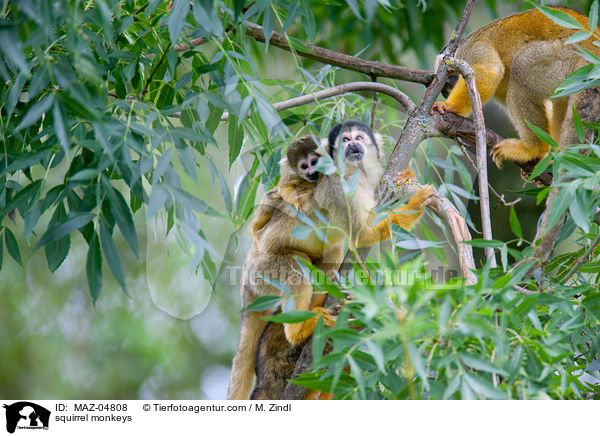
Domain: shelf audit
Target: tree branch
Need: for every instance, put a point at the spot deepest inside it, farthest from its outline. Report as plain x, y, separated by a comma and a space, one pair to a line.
370, 68
401, 97
481, 152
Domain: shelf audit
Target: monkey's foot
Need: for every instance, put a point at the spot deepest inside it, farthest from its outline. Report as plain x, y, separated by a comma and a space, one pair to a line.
328, 317
517, 151
405, 176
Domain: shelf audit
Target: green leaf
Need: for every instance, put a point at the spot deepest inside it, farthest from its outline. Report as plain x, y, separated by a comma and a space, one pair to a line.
268, 24
291, 316
262, 303
480, 364
419, 364
308, 21
12, 246
577, 37
179, 11
36, 111
578, 126
122, 214
560, 204
1, 252
291, 16
158, 196
56, 251
112, 256
561, 18
74, 221
579, 213
236, 138
485, 243
483, 387
515, 226
544, 136
225, 193
60, 128
94, 267
593, 16
358, 376
377, 352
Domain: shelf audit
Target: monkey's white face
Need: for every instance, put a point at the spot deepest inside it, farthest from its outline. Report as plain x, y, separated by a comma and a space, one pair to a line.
358, 148
306, 167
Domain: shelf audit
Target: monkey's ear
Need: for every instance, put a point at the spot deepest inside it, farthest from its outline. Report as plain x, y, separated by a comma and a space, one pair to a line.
283, 162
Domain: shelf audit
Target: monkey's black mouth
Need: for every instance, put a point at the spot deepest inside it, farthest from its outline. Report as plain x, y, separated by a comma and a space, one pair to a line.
354, 152
312, 177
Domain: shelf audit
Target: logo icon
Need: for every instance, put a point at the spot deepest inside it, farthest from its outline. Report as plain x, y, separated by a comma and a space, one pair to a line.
26, 415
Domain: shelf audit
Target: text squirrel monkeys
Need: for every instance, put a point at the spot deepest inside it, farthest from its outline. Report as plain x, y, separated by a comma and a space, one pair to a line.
274, 250
520, 60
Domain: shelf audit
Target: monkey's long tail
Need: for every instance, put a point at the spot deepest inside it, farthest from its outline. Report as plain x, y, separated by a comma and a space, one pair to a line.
241, 380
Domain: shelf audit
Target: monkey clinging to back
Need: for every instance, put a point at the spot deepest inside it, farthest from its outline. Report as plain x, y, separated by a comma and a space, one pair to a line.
521, 59
274, 250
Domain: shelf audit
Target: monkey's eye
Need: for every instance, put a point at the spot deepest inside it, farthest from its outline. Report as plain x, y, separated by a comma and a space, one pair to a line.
313, 162
304, 166
345, 139
359, 138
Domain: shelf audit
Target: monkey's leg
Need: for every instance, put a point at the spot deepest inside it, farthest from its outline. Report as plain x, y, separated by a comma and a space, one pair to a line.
299, 332
536, 72
556, 116
241, 380
489, 71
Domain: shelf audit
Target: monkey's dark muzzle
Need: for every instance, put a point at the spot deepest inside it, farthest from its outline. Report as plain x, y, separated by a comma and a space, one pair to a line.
312, 177
354, 151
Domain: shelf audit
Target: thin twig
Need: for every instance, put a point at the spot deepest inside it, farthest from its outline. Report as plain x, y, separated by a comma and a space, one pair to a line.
583, 258
500, 197
481, 152
149, 79
401, 97
374, 105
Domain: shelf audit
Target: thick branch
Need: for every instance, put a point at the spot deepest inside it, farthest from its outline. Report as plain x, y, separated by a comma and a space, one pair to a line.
418, 126
371, 68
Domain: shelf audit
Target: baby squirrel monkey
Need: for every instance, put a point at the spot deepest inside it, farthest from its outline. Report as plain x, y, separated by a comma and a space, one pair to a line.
274, 251
295, 186
521, 59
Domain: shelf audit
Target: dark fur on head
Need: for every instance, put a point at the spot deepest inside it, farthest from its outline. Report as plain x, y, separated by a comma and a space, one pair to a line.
302, 147
338, 129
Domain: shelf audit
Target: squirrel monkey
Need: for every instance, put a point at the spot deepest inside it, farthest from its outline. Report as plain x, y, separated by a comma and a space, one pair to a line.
274, 250
295, 186
520, 60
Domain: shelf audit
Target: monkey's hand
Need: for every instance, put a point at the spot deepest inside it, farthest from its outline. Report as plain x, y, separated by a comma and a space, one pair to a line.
517, 151
420, 199
297, 333
440, 106
415, 204
405, 176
